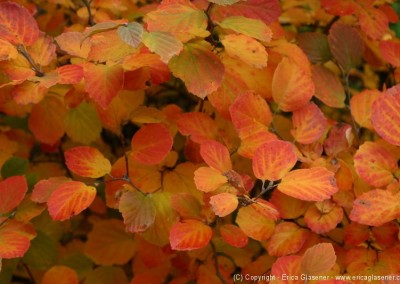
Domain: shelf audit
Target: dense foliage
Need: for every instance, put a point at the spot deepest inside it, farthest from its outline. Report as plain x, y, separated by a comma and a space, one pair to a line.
199, 141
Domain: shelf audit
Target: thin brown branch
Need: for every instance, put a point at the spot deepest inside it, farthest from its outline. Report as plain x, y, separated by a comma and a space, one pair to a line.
90, 15
216, 265
29, 272
22, 50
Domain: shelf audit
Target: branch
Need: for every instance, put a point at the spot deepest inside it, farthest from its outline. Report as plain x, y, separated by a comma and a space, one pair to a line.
22, 50
29, 272
215, 255
87, 5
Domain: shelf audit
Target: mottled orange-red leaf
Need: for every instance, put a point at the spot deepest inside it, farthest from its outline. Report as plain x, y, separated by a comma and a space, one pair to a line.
60, 274
27, 210
70, 199
199, 126
255, 223
273, 160
386, 117
292, 88
17, 69
189, 235
323, 216
328, 87
288, 265
373, 22
138, 211
151, 144
28, 93
17, 25
45, 187
208, 179
346, 45
12, 191
288, 238
376, 207
103, 82
309, 124
315, 184
233, 235
318, 259
15, 238
46, 120
251, 143
288, 207
216, 155
224, 203
198, 67
267, 209
7, 50
375, 164
355, 234
390, 50
109, 244
340, 139
70, 74
386, 235
340, 7
361, 105
246, 49
74, 44
87, 162
187, 205
43, 51
250, 114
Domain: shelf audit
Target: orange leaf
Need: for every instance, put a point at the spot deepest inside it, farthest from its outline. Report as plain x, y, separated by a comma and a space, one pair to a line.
43, 51
250, 114
323, 216
138, 211
87, 162
199, 68
198, 126
309, 124
151, 144
224, 203
375, 164
74, 44
328, 87
109, 244
46, 120
162, 43
255, 223
15, 238
375, 208
340, 7
386, 117
361, 105
292, 88
315, 184
318, 259
189, 235
17, 25
70, 74
7, 50
12, 191
209, 179
103, 82
186, 204
60, 274
373, 22
251, 143
288, 265
70, 199
273, 160
390, 50
355, 234
233, 235
288, 207
288, 238
216, 156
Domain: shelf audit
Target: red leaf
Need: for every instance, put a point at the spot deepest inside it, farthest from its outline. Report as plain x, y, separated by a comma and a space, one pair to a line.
189, 235
15, 238
233, 235
87, 162
386, 117
309, 124
323, 216
151, 144
70, 199
373, 22
12, 191
45, 187
273, 160
216, 156
318, 259
198, 126
70, 74
17, 25
103, 82
315, 184
390, 50
288, 265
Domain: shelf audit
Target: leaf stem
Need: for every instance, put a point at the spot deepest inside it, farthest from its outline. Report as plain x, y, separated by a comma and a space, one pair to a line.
29, 272
22, 50
265, 189
216, 265
90, 15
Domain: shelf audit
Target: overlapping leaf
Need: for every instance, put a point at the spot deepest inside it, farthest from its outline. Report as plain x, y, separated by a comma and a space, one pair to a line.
60, 274
323, 217
216, 156
233, 235
361, 105
198, 126
315, 46
224, 203
131, 33
318, 259
390, 50
15, 238
249, 27
189, 235
12, 191
163, 44
87, 162
44, 188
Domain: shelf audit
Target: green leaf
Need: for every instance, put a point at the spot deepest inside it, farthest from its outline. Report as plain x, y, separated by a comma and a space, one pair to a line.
315, 46
15, 166
251, 27
224, 2
78, 262
42, 253
199, 68
163, 44
131, 34
106, 275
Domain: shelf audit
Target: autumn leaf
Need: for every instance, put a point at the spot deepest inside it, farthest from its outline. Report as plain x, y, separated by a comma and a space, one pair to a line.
45, 187
224, 203
186, 205
138, 211
163, 44
12, 191
131, 33
318, 259
216, 156
233, 235
361, 105
151, 144
373, 22
74, 44
315, 45
15, 238
198, 126
60, 274
273, 160
375, 208
189, 235
204, 74
390, 50
70, 199
249, 27
314, 184
323, 216
209, 179
288, 265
